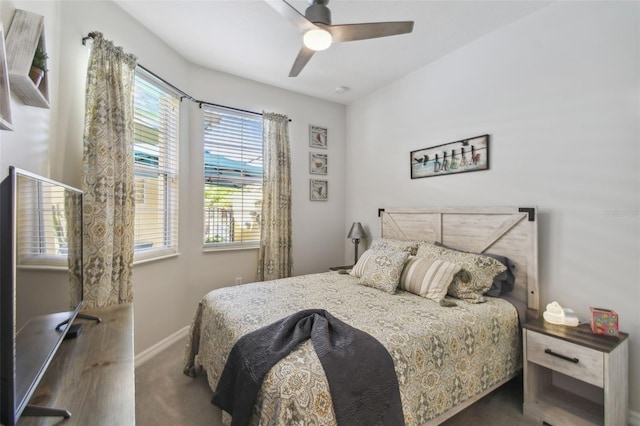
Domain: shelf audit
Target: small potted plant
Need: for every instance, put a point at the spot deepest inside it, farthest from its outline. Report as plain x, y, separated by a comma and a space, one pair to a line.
38, 66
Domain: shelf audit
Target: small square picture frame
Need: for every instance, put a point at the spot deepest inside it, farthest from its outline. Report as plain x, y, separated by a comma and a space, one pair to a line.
317, 137
318, 163
318, 190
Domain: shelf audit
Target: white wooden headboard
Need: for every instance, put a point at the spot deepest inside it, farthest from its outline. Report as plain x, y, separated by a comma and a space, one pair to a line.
507, 231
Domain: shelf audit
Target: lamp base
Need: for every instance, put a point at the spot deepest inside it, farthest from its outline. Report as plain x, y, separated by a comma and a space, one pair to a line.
355, 241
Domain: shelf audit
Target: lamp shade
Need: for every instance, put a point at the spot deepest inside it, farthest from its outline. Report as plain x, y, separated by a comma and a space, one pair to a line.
317, 39
357, 231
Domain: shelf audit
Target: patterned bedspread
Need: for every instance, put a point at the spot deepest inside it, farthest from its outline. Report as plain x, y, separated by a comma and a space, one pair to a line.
442, 355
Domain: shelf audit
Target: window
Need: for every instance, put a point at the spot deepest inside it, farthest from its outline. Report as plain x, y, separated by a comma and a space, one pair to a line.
232, 178
156, 117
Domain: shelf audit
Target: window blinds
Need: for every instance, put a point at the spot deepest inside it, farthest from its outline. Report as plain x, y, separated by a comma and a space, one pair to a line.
156, 124
232, 177
45, 213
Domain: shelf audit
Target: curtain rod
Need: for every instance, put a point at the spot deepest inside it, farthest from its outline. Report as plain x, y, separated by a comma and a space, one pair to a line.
184, 94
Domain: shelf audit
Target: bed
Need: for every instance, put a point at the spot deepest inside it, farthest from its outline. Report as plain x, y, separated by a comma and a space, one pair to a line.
446, 355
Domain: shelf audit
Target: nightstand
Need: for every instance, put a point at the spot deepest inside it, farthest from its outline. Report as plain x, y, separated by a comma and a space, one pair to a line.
337, 268
597, 369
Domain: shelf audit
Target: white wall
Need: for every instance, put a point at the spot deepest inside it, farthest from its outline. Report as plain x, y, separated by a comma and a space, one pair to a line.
49, 142
31, 149
559, 94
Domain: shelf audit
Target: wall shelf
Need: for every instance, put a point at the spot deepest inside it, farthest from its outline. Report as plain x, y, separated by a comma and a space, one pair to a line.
24, 36
5, 98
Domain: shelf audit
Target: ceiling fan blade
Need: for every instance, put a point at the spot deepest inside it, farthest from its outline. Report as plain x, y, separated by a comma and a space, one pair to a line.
290, 12
352, 32
303, 57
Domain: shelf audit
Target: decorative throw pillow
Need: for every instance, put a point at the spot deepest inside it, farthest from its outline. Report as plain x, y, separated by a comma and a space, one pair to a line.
358, 268
382, 269
503, 282
394, 245
477, 272
428, 277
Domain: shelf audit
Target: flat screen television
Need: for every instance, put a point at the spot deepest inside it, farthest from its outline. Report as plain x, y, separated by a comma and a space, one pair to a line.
40, 283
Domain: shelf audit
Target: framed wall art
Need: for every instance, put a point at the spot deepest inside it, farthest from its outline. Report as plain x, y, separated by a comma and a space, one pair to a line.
466, 155
318, 190
317, 163
317, 137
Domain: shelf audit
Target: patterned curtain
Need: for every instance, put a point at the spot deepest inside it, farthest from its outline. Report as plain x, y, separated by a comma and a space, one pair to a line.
274, 258
107, 176
73, 211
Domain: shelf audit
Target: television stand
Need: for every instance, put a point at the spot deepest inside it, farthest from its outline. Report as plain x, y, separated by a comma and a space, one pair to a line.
38, 411
101, 359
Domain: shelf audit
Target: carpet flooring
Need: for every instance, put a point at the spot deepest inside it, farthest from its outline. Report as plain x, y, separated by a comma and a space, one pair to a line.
165, 396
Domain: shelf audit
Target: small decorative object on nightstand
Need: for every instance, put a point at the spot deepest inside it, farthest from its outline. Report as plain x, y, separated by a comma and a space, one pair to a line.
599, 364
604, 321
556, 314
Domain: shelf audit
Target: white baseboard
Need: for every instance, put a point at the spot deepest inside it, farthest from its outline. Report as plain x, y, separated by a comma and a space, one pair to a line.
149, 353
634, 418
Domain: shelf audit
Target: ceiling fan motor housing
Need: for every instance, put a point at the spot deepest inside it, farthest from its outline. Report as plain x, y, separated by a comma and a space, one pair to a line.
318, 12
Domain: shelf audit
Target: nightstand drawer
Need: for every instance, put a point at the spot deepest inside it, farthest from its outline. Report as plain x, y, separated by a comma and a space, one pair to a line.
565, 357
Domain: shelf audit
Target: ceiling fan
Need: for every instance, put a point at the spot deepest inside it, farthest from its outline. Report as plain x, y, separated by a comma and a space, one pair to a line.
319, 34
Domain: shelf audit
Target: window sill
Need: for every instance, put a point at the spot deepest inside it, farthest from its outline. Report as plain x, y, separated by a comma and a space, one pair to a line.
154, 257
212, 249
61, 265
43, 267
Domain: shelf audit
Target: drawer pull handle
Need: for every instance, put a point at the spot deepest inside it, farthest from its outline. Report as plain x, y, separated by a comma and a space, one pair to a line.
566, 358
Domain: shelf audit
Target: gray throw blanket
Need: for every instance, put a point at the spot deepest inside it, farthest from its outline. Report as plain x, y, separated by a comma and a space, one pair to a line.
362, 379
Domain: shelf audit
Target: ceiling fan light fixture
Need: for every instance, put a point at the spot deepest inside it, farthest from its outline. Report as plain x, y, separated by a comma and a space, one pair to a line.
317, 39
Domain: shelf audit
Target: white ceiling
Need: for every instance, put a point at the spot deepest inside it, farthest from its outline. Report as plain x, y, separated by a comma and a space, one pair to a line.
250, 39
